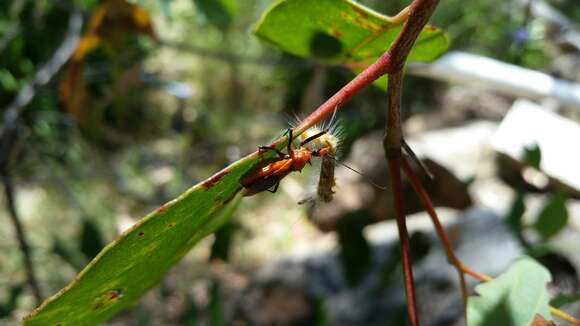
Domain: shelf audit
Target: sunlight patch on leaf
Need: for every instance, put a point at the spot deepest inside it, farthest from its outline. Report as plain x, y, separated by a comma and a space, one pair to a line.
359, 35
513, 298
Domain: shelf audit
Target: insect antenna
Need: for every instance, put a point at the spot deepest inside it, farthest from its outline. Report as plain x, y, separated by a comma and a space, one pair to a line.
416, 159
311, 138
367, 179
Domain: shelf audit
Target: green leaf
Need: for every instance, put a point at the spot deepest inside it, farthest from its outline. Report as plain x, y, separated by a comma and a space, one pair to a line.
564, 299
514, 298
533, 156
514, 216
340, 31
219, 13
124, 270
553, 217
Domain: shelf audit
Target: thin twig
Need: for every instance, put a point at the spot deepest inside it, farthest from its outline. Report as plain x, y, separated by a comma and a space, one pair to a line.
447, 246
20, 236
9, 135
409, 151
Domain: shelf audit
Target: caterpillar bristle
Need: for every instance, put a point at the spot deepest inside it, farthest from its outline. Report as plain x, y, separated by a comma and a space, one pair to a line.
332, 141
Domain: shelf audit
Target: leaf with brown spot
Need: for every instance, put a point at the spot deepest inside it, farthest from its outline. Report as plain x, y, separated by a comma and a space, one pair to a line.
355, 35
125, 269
364, 33
214, 178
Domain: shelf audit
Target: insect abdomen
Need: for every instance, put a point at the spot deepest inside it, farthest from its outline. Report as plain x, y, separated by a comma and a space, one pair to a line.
261, 185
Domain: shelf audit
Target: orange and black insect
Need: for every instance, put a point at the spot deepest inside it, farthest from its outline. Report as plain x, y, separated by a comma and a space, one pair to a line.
267, 175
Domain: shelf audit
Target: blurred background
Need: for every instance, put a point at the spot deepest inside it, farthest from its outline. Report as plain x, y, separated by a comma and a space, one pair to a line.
111, 108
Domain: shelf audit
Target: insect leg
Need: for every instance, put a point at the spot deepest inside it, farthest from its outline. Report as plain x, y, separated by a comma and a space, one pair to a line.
417, 160
266, 148
289, 140
275, 187
311, 138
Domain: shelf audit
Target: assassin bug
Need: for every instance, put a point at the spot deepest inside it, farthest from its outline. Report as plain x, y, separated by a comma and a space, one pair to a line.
267, 175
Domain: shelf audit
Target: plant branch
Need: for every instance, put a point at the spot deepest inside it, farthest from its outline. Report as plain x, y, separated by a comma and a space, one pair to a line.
447, 246
9, 133
428, 205
20, 236
419, 13
392, 146
394, 133
395, 169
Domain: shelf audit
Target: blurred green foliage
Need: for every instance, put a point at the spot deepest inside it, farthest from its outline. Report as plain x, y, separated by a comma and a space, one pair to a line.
549, 221
506, 31
553, 217
219, 13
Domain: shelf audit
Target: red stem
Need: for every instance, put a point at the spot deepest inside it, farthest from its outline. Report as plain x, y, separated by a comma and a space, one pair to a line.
370, 74
395, 168
392, 61
419, 13
428, 205
392, 147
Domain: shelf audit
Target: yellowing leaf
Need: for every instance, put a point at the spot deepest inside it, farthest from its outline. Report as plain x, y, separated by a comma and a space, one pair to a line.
340, 31
125, 269
112, 21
